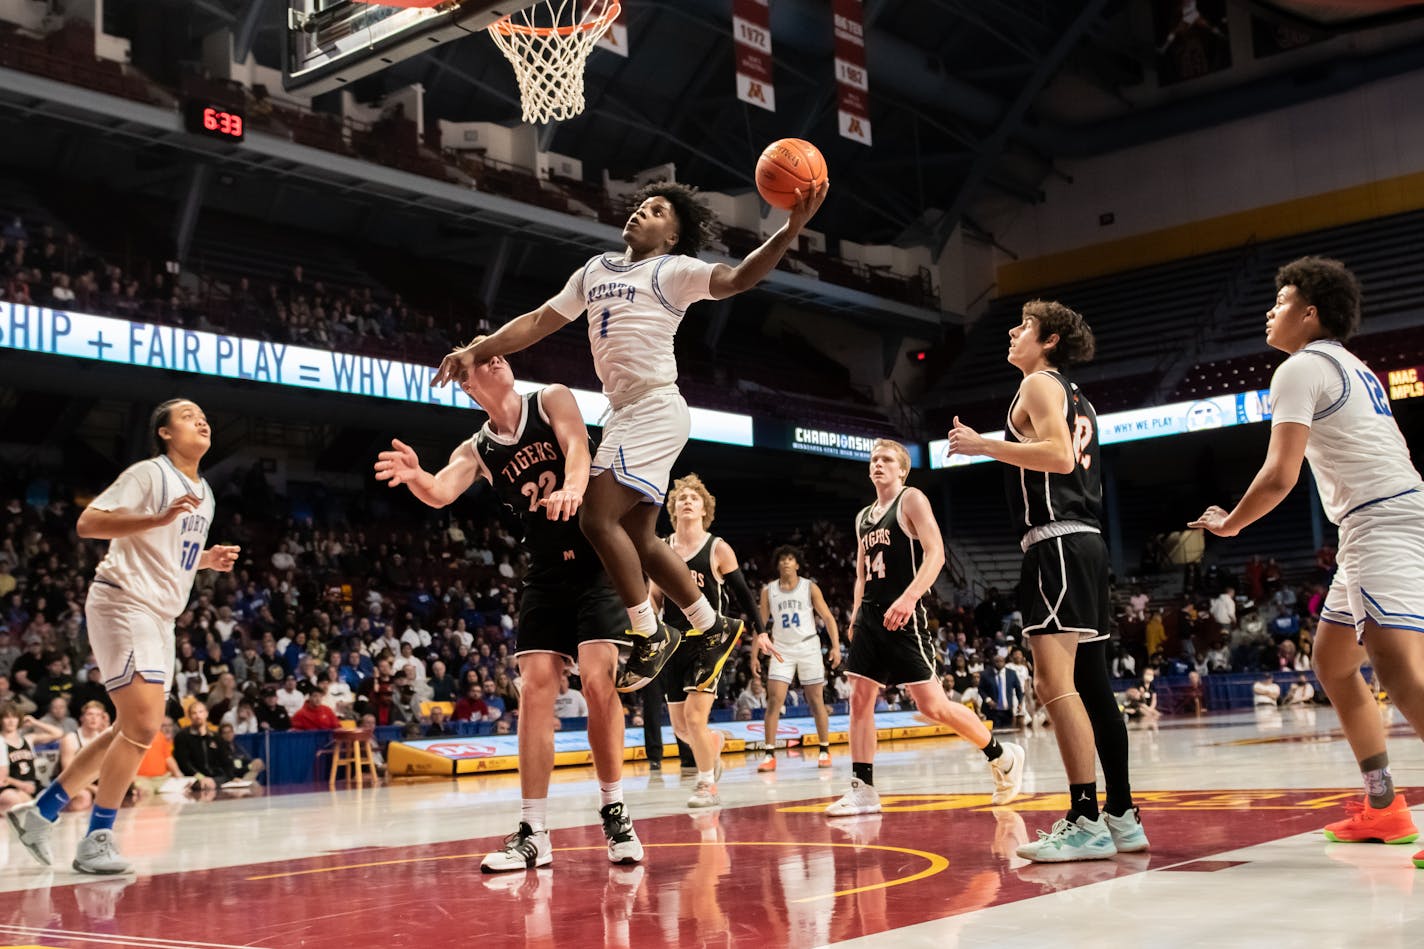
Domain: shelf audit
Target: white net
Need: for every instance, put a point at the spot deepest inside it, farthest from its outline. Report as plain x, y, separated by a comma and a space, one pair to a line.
547, 44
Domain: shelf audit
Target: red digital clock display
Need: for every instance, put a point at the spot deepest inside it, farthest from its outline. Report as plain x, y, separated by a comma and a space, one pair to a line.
215, 121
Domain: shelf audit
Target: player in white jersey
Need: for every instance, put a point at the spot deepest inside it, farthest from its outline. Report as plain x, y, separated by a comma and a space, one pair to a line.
1329, 407
635, 303
789, 607
156, 515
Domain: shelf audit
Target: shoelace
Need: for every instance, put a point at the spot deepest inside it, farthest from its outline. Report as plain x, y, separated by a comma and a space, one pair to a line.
617, 827
1060, 830
522, 845
1355, 808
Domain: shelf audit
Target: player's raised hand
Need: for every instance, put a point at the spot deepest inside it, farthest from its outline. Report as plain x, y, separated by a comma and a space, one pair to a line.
399, 465
219, 557
963, 440
454, 366
761, 642
184, 504
1214, 519
562, 504
900, 611
808, 203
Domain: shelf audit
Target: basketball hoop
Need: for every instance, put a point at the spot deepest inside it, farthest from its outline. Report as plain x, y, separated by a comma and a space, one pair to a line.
548, 44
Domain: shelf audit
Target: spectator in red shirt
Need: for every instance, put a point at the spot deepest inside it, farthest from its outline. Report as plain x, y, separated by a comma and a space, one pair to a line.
314, 715
473, 708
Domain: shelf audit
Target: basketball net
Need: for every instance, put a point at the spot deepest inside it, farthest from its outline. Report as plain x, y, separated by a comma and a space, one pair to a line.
548, 44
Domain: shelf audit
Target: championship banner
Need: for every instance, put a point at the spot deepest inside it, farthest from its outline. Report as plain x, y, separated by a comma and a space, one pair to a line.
852, 80
751, 33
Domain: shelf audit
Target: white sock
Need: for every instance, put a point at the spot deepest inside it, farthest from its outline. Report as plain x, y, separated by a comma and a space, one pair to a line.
705, 777
701, 615
643, 619
610, 793
533, 812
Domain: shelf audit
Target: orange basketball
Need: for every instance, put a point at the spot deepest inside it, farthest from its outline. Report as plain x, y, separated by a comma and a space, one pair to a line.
788, 164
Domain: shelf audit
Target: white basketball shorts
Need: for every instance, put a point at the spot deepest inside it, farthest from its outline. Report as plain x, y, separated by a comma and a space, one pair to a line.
126, 638
802, 659
1381, 567
643, 440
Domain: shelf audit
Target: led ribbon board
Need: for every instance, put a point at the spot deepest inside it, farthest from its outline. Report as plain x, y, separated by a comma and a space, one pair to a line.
121, 342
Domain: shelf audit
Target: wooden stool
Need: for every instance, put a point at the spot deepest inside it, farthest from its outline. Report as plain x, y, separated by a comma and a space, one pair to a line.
352, 749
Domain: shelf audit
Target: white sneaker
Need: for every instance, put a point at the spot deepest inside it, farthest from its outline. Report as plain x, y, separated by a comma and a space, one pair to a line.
860, 799
34, 830
1081, 839
1008, 772
705, 795
98, 854
1127, 832
523, 850
624, 847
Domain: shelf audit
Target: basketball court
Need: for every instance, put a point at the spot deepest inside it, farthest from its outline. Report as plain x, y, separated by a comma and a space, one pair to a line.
1233, 804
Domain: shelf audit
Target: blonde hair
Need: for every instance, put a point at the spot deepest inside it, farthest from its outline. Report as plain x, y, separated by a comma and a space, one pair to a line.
898, 450
694, 483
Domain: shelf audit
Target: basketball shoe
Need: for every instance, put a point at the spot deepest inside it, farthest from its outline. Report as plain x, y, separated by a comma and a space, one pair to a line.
1079, 839
623, 844
768, 763
823, 760
862, 798
1365, 824
523, 850
34, 830
1127, 833
650, 653
715, 645
705, 795
1008, 772
97, 854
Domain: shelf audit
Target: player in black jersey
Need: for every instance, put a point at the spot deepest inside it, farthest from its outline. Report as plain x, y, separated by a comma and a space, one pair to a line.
899, 553
691, 675
1055, 494
535, 451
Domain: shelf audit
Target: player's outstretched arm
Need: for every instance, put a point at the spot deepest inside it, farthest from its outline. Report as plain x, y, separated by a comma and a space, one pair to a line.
401, 465
920, 520
519, 333
572, 434
728, 281
1051, 448
1278, 475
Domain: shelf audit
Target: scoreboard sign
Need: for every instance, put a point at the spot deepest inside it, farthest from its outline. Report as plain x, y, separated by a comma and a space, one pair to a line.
1405, 383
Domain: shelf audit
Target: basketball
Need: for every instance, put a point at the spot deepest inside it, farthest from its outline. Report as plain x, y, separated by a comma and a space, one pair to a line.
785, 165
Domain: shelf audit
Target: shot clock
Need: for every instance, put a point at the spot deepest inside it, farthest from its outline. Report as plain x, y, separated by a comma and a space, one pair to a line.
211, 120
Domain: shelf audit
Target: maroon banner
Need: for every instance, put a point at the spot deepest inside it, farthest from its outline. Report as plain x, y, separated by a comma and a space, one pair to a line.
852, 80
751, 31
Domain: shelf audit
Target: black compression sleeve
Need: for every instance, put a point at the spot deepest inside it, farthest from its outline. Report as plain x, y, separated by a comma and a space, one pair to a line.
738, 585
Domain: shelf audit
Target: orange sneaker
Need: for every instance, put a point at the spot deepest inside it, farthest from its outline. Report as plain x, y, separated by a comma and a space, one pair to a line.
823, 760
1419, 859
767, 764
1390, 825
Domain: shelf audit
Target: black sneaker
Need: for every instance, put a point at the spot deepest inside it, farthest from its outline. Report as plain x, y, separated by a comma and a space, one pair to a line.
655, 765
623, 844
714, 646
649, 655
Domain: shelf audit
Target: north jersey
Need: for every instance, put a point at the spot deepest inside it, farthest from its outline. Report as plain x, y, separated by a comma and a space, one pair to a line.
633, 314
155, 567
1356, 452
892, 557
525, 467
704, 576
792, 619
1037, 498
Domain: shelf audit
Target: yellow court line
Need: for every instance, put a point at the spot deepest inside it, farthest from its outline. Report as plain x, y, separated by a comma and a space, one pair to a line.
937, 863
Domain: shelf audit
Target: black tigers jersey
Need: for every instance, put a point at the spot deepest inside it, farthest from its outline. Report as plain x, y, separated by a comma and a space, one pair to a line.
22, 761
892, 557
704, 576
1037, 498
525, 468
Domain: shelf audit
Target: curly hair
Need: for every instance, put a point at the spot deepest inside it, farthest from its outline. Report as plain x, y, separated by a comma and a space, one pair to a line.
786, 550
1330, 287
694, 483
1075, 337
694, 219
